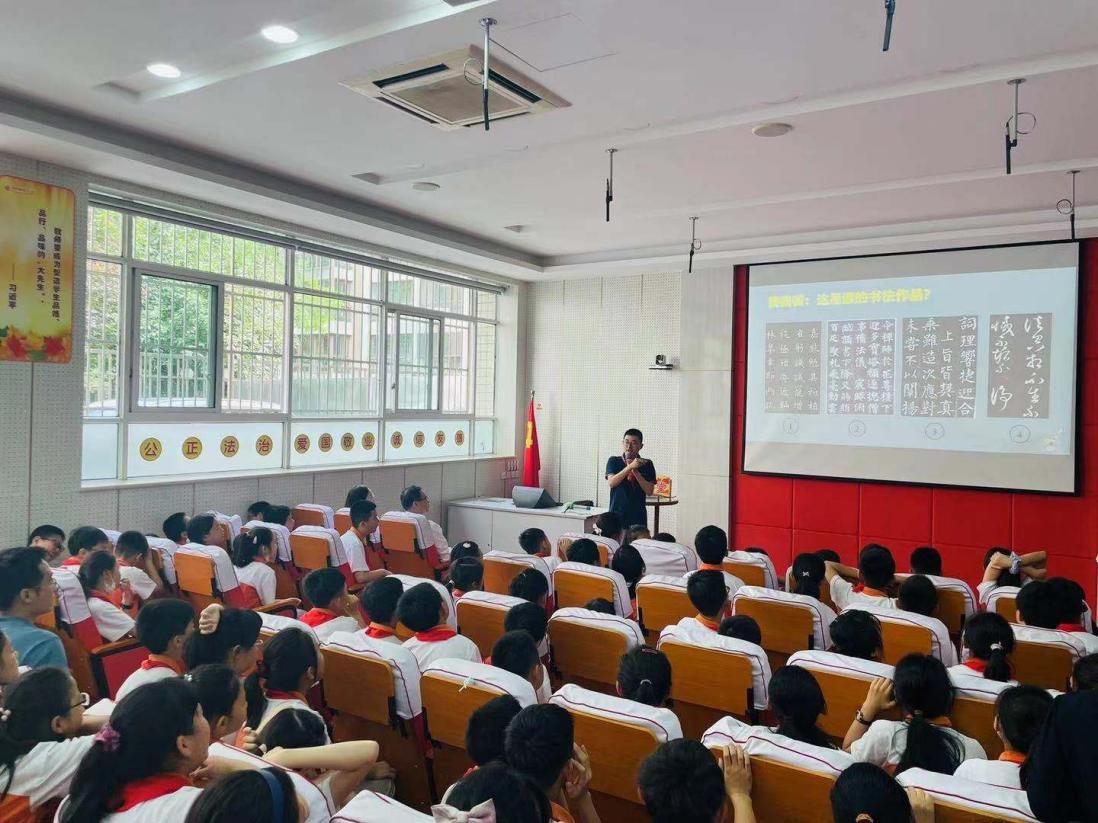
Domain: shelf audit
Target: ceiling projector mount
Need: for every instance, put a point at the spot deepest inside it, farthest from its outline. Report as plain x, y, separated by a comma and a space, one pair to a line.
1013, 127
1066, 206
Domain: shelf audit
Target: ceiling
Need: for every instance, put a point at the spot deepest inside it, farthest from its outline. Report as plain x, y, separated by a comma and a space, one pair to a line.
892, 150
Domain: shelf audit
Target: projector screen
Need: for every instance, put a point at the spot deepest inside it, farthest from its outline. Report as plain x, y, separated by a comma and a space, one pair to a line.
954, 368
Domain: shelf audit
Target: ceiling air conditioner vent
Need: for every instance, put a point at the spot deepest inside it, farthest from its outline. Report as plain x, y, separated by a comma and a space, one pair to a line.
445, 90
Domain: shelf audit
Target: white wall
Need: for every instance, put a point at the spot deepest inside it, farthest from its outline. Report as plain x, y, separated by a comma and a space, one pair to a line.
40, 436
589, 345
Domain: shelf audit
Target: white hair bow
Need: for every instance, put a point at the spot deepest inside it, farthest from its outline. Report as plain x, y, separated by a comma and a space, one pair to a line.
481, 813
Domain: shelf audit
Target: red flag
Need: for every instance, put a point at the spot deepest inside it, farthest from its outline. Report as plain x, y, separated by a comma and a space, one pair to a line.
531, 457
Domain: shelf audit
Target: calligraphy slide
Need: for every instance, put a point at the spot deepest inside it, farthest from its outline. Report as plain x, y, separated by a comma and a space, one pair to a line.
949, 368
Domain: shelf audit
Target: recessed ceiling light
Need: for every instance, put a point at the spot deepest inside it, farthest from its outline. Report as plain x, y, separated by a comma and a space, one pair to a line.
279, 34
771, 129
426, 185
165, 70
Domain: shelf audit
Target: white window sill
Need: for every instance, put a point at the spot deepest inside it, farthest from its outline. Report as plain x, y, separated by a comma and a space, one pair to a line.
175, 480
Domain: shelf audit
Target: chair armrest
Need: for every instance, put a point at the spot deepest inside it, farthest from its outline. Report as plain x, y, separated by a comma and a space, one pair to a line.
123, 645
287, 604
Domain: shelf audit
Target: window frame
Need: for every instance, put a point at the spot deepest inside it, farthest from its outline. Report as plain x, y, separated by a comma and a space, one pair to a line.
129, 373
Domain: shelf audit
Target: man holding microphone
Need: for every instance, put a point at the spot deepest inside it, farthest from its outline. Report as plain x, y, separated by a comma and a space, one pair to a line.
631, 480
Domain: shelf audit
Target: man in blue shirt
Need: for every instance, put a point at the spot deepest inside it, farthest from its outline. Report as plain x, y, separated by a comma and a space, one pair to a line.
631, 480
26, 593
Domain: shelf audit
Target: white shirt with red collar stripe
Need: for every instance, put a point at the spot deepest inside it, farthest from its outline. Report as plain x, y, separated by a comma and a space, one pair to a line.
355, 550
1005, 773
151, 673
143, 585
111, 622
439, 644
42, 774
260, 578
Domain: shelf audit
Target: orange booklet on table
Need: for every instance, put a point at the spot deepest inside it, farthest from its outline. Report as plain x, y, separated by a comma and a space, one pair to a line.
663, 486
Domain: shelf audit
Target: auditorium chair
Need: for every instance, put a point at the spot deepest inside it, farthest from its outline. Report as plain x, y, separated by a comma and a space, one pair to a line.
371, 807
789, 622
406, 545
500, 571
576, 584
956, 601
750, 574
408, 581
905, 633
480, 617
1002, 601
287, 574
587, 646
341, 519
663, 558
973, 711
844, 682
750, 564
314, 514
206, 576
957, 800
661, 601
317, 547
606, 545
163, 551
1044, 657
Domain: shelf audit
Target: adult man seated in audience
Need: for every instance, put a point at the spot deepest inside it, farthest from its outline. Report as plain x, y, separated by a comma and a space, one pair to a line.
363, 516
50, 538
83, 541
175, 528
26, 593
415, 501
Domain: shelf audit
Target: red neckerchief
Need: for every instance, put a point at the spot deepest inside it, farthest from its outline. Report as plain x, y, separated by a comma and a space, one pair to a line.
858, 588
150, 788
712, 625
457, 594
436, 634
873, 592
380, 631
71, 561
159, 661
100, 596
1070, 627
976, 665
1013, 757
710, 567
318, 617
272, 694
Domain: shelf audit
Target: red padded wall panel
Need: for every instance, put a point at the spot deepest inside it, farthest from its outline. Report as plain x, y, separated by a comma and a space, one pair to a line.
895, 511
764, 501
972, 518
809, 541
825, 505
1054, 523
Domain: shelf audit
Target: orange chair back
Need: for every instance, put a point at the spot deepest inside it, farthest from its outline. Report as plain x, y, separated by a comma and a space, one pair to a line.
660, 608
951, 610
309, 517
309, 551
1041, 664
616, 750
449, 705
565, 542
1007, 608
498, 574
481, 623
586, 654
902, 639
342, 521
696, 703
196, 580
976, 718
786, 628
359, 686
575, 589
403, 554
782, 791
843, 696
750, 575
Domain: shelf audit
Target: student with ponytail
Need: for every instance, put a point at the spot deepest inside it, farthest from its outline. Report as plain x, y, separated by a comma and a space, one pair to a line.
141, 766
256, 796
252, 554
100, 578
644, 675
989, 642
221, 695
797, 702
291, 666
40, 749
924, 738
807, 574
229, 636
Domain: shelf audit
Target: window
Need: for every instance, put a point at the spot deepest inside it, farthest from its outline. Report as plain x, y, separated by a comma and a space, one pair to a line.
250, 351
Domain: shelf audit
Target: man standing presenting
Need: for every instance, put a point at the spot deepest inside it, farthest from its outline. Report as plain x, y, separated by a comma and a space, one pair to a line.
631, 480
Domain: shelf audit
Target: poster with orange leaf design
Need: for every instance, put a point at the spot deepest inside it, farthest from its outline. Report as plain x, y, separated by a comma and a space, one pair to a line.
37, 229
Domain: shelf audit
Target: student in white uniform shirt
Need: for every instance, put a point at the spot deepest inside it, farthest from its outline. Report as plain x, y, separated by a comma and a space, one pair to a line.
363, 514
252, 555
857, 634
40, 740
135, 564
100, 578
334, 610
163, 627
379, 601
1019, 713
225, 706
870, 583
256, 796
292, 664
140, 767
532, 619
530, 585
1072, 600
988, 642
644, 675
516, 652
414, 500
1003, 568
422, 610
922, 690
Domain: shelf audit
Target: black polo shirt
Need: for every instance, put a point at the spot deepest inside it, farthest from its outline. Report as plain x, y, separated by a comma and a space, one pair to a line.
627, 498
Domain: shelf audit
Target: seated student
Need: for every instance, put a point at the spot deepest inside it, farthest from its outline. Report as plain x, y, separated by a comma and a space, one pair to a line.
363, 515
280, 515
175, 528
1038, 605
711, 544
486, 732
797, 703
806, 574
876, 570
257, 511
531, 618
989, 641
585, 551
1084, 674
415, 501
681, 782
664, 537
140, 765
917, 594
516, 652
26, 593
255, 796
495, 794
297, 739
741, 627
100, 578
530, 585
466, 575
292, 664
357, 493
600, 604
136, 566
252, 554
224, 705
85, 540
1003, 567
1072, 600
709, 595
334, 610
644, 675
466, 548
635, 532
379, 601
1019, 713
541, 745
43, 737
924, 738
609, 525
926, 560
200, 528
233, 640
50, 538
857, 634
865, 792
534, 542
164, 627
422, 610
627, 562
